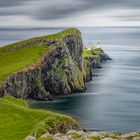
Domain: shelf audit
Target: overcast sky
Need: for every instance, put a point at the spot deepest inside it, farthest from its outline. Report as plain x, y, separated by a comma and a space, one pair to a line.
46, 13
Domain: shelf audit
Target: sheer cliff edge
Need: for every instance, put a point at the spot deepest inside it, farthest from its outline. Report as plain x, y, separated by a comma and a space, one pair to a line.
46, 66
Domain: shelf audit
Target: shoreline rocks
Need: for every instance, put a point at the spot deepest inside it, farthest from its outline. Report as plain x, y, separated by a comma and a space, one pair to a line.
93, 135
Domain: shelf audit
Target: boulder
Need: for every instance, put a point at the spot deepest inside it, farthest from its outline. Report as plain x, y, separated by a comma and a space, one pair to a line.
30, 138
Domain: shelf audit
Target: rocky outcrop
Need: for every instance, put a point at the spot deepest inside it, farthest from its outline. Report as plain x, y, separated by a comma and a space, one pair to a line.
87, 69
59, 71
93, 62
75, 46
89, 135
62, 70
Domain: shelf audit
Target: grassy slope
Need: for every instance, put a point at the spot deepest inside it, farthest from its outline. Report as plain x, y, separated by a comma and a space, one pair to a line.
67, 32
12, 61
91, 53
17, 119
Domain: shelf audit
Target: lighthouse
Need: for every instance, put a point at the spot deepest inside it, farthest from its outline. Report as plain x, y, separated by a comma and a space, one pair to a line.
98, 45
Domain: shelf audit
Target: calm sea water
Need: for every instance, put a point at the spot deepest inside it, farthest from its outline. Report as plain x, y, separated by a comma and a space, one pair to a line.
112, 99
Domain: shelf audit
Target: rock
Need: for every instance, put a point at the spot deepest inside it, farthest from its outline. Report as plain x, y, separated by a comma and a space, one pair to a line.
107, 139
104, 56
30, 138
85, 136
132, 134
93, 134
87, 70
57, 135
71, 131
47, 135
93, 62
72, 134
64, 138
56, 138
80, 132
59, 72
136, 138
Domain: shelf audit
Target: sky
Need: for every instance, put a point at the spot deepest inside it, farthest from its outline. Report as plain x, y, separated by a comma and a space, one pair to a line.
63, 13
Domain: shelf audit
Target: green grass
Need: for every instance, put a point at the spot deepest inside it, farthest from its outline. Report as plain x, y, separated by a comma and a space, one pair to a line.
94, 138
91, 53
66, 32
13, 61
87, 53
17, 120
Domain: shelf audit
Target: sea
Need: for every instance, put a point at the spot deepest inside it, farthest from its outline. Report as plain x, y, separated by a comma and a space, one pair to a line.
112, 100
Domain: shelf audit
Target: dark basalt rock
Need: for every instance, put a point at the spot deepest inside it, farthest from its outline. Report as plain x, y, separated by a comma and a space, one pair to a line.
94, 62
59, 73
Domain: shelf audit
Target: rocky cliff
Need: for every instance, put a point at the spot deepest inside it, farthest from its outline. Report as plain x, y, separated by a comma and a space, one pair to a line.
92, 59
63, 69
58, 72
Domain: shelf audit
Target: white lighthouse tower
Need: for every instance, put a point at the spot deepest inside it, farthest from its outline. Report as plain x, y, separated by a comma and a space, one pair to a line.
98, 45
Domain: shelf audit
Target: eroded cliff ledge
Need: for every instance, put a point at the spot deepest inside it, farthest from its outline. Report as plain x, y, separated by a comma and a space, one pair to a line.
93, 56
60, 69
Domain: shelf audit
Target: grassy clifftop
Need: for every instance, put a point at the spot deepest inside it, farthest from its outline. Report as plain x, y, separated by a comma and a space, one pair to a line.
49, 37
17, 56
92, 53
13, 61
18, 120
43, 67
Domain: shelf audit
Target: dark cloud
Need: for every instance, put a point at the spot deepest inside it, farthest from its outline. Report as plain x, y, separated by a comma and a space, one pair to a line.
61, 10
58, 9
115, 3
8, 3
65, 8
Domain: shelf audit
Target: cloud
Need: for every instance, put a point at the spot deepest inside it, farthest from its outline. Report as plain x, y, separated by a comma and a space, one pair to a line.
61, 10
9, 3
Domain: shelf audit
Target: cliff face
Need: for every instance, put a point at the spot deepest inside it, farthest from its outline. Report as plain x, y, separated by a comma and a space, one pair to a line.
59, 71
92, 60
75, 46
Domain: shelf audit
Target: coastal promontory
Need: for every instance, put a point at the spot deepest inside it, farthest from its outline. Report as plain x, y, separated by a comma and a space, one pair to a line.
41, 68
47, 66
